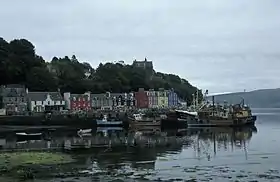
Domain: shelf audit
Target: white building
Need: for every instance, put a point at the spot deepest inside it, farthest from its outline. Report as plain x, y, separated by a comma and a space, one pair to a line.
45, 101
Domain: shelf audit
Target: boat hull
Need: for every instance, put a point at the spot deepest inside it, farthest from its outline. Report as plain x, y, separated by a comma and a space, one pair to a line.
174, 123
145, 123
83, 132
246, 121
24, 136
108, 123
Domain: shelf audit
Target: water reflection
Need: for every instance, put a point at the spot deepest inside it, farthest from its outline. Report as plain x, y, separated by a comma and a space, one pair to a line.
208, 141
118, 152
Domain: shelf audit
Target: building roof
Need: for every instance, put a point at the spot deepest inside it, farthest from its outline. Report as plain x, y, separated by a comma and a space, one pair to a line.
111, 95
15, 86
98, 95
41, 96
13, 92
78, 95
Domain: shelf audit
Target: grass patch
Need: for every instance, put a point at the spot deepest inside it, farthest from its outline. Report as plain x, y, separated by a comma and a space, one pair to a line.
38, 158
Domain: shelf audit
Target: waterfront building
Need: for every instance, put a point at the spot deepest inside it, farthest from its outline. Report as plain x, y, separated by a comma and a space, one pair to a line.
172, 98
109, 101
153, 98
162, 96
142, 99
78, 102
39, 102
102, 101
14, 99
126, 100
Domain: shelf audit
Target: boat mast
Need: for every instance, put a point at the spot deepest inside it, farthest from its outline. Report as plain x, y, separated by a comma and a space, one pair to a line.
194, 100
197, 98
213, 104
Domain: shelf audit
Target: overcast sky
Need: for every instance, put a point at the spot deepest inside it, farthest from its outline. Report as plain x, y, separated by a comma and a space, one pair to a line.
220, 45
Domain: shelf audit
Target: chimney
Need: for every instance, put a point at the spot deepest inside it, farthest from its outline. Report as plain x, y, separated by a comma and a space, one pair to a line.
66, 97
87, 93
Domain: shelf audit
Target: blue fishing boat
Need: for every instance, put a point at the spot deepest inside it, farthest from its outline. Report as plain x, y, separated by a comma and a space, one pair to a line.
108, 122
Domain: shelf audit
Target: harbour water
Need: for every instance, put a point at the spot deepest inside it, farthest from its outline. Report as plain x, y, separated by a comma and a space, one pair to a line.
196, 154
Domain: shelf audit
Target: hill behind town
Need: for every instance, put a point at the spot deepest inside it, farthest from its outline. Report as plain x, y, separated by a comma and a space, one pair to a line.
265, 98
19, 64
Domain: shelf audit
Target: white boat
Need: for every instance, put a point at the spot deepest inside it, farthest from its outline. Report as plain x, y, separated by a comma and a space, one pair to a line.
29, 134
82, 132
105, 122
141, 120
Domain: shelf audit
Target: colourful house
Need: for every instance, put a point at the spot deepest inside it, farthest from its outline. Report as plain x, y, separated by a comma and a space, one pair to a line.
153, 98
78, 102
162, 98
172, 98
142, 99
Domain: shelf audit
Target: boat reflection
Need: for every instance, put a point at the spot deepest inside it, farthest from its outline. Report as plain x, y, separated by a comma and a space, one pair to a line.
207, 141
115, 148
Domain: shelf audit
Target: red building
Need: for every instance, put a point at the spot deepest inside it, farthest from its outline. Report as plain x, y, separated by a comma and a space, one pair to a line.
80, 102
142, 100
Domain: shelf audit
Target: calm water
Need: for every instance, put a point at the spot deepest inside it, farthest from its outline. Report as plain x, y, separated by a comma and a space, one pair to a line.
217, 154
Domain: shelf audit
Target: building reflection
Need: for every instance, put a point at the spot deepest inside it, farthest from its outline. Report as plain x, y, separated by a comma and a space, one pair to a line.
115, 148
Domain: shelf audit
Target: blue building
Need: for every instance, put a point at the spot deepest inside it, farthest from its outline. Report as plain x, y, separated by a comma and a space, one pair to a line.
172, 98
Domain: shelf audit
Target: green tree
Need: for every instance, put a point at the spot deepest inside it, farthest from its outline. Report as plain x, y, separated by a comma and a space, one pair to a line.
20, 64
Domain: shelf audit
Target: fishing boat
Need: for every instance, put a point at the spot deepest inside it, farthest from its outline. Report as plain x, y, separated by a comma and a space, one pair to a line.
142, 120
29, 136
175, 119
106, 122
221, 115
207, 114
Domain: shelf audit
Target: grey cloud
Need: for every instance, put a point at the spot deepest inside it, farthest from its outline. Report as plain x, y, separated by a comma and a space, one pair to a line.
216, 45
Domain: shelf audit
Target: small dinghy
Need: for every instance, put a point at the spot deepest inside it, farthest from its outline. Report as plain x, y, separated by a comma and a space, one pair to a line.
84, 132
28, 136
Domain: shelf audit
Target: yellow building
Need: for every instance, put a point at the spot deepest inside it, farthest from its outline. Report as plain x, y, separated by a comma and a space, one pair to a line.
162, 96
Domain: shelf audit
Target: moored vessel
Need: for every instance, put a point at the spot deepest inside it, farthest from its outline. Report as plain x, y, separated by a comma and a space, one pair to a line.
29, 136
222, 115
141, 120
105, 121
213, 114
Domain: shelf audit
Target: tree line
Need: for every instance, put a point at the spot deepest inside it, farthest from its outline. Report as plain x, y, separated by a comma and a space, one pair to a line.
19, 64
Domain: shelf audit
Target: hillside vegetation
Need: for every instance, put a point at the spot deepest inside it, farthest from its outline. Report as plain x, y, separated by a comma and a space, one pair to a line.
19, 64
